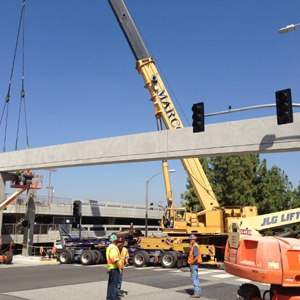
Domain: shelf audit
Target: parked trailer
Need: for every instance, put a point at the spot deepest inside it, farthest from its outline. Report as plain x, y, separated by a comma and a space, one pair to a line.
85, 251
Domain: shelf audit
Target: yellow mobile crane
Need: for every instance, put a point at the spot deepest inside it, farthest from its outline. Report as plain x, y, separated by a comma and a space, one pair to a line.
211, 225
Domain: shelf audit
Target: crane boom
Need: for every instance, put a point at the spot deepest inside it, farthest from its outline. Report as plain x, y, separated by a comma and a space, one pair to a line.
163, 106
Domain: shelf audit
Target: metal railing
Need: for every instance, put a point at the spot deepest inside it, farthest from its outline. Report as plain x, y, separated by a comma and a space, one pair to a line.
43, 201
50, 232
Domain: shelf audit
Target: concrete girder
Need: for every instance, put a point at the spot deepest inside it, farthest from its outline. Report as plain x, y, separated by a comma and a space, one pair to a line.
260, 135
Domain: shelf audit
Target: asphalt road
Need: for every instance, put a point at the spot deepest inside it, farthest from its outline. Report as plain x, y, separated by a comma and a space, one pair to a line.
32, 279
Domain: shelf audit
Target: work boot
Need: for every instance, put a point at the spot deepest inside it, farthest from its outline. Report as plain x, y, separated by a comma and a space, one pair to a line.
196, 296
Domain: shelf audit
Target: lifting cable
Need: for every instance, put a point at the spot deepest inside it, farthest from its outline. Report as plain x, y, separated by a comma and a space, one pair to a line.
6, 104
22, 97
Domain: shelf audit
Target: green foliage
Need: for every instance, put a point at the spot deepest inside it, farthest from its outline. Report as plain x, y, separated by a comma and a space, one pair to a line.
243, 181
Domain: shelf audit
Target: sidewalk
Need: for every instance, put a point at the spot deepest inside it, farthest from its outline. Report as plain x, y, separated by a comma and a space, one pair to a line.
32, 260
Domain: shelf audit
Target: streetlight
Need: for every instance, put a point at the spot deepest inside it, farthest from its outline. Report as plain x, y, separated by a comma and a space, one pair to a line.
146, 210
50, 187
288, 28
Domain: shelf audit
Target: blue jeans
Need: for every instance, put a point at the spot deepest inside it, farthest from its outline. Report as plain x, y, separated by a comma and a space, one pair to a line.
112, 284
120, 282
195, 279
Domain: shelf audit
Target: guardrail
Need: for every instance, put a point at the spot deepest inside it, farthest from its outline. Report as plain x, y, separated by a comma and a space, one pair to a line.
48, 233
43, 201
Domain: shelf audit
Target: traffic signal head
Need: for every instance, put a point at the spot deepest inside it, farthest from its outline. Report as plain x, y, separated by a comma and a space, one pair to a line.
284, 107
198, 117
77, 208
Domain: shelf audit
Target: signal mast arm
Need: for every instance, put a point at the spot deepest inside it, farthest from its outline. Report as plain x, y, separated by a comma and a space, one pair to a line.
163, 107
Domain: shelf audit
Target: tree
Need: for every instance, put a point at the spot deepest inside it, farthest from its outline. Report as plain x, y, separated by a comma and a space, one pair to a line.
246, 181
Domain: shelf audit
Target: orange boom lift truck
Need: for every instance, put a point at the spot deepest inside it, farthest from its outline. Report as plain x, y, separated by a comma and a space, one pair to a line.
268, 259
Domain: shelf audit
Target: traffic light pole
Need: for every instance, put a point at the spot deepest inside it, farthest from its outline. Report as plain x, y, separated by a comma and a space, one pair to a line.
80, 226
246, 108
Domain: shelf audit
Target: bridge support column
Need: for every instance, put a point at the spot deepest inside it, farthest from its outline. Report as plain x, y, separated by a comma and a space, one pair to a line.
4, 176
29, 218
2, 196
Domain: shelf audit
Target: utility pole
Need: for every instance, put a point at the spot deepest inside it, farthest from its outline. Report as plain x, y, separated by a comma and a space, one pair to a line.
50, 188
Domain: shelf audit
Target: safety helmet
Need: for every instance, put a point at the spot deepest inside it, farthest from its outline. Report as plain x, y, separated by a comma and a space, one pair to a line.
113, 238
192, 237
121, 240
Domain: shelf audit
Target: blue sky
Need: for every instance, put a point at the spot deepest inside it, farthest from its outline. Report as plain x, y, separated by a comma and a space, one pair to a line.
81, 82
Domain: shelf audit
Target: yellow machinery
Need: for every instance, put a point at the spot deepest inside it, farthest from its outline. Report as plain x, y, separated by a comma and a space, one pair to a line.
211, 225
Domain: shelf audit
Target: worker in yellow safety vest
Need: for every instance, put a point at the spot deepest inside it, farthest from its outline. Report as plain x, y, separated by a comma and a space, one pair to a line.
113, 268
124, 255
194, 260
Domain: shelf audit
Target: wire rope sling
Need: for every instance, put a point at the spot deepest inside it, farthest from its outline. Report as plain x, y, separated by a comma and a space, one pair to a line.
22, 95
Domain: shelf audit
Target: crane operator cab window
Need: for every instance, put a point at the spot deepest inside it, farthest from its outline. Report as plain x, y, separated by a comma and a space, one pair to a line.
180, 216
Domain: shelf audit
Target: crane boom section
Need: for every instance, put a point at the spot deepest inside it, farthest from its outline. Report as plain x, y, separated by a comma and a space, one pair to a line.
163, 106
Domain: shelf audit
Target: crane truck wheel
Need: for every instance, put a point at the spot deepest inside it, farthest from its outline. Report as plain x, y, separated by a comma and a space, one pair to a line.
66, 256
141, 258
169, 259
248, 291
88, 257
9, 257
99, 257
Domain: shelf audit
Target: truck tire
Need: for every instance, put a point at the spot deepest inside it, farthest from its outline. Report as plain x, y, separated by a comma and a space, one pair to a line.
169, 259
9, 257
248, 291
99, 257
141, 258
66, 257
87, 257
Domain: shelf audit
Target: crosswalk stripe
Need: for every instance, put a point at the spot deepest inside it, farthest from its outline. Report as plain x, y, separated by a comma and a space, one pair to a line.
222, 276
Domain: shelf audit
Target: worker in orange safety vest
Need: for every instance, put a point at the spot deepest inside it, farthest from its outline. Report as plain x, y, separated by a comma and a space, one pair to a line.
113, 268
124, 255
194, 260
28, 177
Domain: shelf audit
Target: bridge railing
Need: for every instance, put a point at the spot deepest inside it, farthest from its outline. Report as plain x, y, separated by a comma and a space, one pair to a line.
43, 201
48, 233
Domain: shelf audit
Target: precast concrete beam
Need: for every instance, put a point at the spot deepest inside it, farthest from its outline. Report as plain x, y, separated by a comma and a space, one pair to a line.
260, 135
